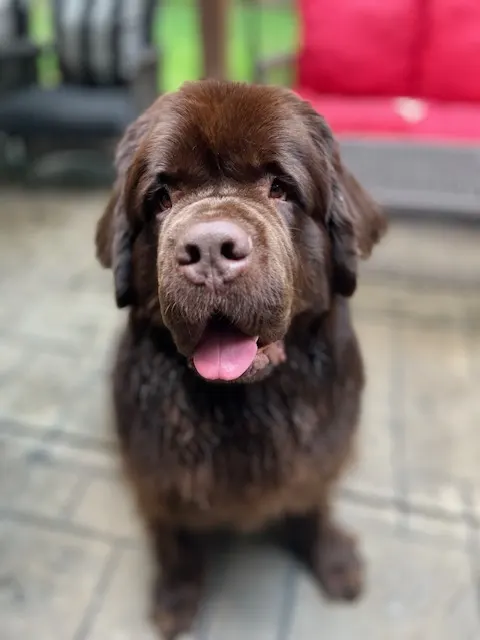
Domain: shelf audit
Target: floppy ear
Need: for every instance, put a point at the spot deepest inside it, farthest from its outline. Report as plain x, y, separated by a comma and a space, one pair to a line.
356, 224
103, 232
354, 220
114, 236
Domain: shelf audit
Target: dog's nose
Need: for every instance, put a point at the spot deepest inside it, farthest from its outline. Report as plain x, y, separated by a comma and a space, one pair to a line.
214, 252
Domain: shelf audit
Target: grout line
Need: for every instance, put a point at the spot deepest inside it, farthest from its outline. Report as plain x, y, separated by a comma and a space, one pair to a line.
77, 442
402, 506
54, 432
383, 315
388, 277
95, 604
471, 520
43, 345
397, 417
78, 493
472, 545
289, 602
106, 468
57, 435
66, 527
216, 580
84, 443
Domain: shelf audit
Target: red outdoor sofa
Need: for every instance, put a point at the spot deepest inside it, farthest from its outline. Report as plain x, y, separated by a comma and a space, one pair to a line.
399, 83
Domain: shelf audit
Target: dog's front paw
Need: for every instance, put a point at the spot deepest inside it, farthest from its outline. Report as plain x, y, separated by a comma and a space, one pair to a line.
175, 608
338, 565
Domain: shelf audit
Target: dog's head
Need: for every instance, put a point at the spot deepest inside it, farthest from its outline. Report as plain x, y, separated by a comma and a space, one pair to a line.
231, 214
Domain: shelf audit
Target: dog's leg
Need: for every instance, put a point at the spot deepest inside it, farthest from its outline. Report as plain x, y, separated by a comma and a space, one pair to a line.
330, 552
337, 562
177, 588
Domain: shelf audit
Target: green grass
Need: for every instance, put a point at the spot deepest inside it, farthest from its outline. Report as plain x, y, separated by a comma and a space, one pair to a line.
177, 34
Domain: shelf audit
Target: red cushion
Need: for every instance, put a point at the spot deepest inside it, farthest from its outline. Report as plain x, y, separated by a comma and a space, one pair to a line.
450, 122
388, 118
358, 47
450, 66
358, 116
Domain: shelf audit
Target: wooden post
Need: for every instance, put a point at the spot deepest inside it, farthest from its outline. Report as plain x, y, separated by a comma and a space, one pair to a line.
214, 28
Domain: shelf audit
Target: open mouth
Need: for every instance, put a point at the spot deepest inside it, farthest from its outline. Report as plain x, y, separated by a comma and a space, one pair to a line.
226, 353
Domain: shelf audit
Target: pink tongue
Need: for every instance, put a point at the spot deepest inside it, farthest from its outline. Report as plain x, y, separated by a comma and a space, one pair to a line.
224, 355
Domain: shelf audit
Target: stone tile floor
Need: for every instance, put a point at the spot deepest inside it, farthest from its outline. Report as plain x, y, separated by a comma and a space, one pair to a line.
73, 563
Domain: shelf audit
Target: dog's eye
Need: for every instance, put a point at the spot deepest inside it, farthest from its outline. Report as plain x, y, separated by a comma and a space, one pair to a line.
163, 199
278, 190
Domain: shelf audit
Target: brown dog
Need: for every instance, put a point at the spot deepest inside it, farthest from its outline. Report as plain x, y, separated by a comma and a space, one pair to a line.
233, 232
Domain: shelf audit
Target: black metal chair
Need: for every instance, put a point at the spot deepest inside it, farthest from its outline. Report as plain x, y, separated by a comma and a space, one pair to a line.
109, 73
17, 69
13, 22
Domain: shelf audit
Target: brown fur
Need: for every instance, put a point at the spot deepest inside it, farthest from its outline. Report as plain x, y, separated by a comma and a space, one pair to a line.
204, 456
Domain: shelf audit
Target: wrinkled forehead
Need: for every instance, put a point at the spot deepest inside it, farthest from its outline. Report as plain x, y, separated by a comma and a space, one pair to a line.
235, 132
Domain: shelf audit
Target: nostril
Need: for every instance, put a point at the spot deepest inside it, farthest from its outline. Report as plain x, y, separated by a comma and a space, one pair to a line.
190, 254
230, 251
194, 253
236, 249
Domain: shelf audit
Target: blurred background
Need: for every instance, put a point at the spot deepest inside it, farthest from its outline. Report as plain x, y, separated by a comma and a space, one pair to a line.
399, 83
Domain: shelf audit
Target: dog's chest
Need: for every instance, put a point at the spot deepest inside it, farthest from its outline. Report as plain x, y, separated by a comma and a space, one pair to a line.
244, 470
224, 454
